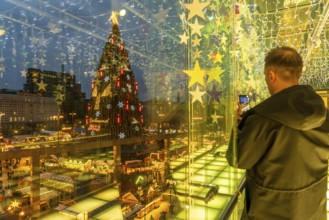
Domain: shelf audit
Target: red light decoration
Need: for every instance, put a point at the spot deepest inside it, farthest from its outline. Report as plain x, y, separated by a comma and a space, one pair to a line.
127, 106
140, 107
142, 119
121, 46
118, 82
136, 86
118, 119
87, 120
89, 107
101, 73
93, 84
112, 40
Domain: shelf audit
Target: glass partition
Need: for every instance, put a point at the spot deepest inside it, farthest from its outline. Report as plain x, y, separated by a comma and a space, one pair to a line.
124, 109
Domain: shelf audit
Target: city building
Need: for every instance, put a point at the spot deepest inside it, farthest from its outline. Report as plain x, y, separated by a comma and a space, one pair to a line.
23, 113
62, 87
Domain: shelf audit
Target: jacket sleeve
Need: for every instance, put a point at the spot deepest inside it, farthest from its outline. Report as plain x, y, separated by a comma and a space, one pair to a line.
255, 137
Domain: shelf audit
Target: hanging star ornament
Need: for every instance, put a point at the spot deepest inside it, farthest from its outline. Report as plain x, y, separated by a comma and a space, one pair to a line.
196, 75
197, 94
215, 118
214, 94
196, 27
196, 9
122, 135
42, 86
214, 74
183, 38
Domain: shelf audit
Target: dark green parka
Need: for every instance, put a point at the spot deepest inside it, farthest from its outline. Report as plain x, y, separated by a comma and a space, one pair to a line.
283, 143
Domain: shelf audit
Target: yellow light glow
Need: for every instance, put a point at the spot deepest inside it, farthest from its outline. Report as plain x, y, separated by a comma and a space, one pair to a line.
2, 32
15, 204
122, 12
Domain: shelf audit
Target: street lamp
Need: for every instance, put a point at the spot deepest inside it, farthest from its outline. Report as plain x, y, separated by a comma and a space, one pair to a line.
1, 114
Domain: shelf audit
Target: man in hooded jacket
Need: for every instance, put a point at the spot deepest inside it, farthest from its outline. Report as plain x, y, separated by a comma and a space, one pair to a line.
283, 144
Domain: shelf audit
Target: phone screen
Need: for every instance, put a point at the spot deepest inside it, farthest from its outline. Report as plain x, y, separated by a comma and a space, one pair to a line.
244, 102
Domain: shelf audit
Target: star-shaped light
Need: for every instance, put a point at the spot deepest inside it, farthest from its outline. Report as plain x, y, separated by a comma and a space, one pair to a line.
59, 87
98, 114
196, 41
197, 94
107, 78
217, 58
196, 9
136, 128
196, 27
132, 108
122, 135
196, 75
120, 104
161, 15
108, 106
196, 54
214, 74
223, 39
215, 118
23, 73
42, 86
183, 38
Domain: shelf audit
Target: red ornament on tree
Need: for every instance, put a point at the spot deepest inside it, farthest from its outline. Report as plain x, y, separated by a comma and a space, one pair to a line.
118, 119
136, 86
127, 106
118, 82
140, 107
101, 73
142, 119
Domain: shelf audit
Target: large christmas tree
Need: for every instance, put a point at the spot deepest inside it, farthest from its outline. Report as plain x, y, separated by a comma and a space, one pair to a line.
114, 107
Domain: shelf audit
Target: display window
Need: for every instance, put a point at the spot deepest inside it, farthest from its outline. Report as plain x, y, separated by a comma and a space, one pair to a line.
124, 109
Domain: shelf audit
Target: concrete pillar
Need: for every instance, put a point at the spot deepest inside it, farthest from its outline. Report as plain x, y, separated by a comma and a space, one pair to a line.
35, 184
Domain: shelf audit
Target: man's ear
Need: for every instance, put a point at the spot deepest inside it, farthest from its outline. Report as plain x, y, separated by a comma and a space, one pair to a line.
272, 75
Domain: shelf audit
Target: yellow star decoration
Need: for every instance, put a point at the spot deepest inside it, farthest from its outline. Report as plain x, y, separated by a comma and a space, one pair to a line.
196, 54
60, 96
217, 58
196, 75
183, 38
215, 118
196, 27
196, 41
223, 39
59, 87
214, 74
42, 86
35, 74
197, 94
196, 8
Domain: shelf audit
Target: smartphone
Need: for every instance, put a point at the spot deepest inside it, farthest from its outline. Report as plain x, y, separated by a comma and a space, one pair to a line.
244, 102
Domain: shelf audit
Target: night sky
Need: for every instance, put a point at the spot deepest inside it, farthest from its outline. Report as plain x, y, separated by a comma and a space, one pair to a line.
45, 34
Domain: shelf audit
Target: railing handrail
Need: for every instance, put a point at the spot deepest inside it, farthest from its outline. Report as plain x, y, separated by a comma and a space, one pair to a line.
234, 200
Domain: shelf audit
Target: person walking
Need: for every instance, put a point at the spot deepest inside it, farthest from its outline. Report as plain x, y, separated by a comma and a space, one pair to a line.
283, 143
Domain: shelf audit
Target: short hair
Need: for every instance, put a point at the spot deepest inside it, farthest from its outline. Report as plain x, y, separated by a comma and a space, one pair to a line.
287, 62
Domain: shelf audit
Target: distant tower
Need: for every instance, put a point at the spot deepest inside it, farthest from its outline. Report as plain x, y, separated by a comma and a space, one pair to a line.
114, 107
